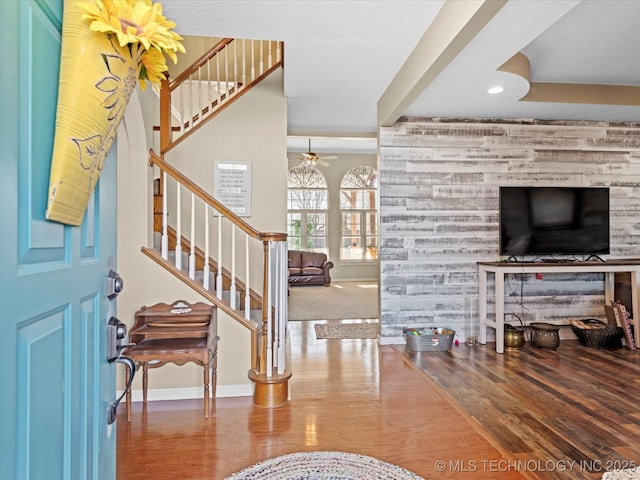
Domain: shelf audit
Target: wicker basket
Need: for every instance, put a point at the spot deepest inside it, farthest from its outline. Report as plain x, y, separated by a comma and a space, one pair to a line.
601, 335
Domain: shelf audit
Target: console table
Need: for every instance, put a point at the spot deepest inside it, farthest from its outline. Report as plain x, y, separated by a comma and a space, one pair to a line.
177, 333
500, 269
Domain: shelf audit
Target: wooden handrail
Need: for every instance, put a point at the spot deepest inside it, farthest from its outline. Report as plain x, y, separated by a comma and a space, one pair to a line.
154, 159
208, 55
209, 106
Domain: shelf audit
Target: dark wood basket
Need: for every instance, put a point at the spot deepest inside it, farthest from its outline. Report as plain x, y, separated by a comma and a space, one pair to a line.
603, 336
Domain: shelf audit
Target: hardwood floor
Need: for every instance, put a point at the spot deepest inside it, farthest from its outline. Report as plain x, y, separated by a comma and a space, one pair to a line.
346, 395
565, 414
571, 413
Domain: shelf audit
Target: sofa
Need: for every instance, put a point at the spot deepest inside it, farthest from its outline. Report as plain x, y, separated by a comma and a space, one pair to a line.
309, 268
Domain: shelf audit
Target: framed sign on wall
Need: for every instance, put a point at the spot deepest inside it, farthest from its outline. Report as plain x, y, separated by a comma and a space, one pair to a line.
232, 186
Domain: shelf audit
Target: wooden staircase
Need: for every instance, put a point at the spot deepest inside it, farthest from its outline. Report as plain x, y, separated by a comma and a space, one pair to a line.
222, 257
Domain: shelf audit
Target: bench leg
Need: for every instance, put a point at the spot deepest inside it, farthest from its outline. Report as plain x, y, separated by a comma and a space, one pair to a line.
214, 376
145, 381
206, 390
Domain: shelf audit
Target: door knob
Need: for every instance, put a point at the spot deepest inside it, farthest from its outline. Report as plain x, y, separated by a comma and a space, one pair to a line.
116, 332
113, 406
115, 284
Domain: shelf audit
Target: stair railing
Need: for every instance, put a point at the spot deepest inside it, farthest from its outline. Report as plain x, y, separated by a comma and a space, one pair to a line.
215, 80
210, 223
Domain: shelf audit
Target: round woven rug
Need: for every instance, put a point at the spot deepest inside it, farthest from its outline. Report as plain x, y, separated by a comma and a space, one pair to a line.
324, 466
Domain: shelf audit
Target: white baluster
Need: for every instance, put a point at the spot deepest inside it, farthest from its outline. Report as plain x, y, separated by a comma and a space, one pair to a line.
209, 96
244, 64
232, 291
253, 61
261, 69
282, 308
276, 298
270, 56
226, 71
269, 372
192, 256
200, 103
218, 77
247, 297
164, 248
189, 85
178, 228
219, 276
182, 121
235, 66
207, 269
278, 51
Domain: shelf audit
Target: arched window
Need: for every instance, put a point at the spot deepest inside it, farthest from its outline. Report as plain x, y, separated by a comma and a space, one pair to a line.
359, 214
307, 209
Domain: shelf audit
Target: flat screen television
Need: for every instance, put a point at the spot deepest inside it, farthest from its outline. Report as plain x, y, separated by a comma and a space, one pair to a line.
554, 221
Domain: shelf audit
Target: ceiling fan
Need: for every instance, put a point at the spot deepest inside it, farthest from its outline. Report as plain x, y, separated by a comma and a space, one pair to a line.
312, 159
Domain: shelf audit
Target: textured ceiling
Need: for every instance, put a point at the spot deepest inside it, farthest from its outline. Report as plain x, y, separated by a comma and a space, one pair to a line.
340, 56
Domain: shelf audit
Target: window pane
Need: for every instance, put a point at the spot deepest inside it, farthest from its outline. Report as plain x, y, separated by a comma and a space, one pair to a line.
318, 243
371, 252
368, 199
350, 224
348, 199
306, 199
351, 249
352, 241
315, 224
295, 199
372, 241
294, 224
294, 243
317, 199
371, 224
357, 199
372, 249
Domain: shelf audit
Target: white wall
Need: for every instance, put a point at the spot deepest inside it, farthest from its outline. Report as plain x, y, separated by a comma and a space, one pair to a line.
253, 129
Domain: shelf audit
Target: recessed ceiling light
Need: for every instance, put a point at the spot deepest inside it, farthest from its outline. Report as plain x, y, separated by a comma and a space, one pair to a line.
495, 90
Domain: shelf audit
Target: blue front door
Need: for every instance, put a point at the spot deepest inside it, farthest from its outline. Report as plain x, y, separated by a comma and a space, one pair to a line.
55, 381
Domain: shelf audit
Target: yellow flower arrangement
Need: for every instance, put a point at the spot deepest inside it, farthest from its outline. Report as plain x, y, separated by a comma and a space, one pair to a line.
137, 22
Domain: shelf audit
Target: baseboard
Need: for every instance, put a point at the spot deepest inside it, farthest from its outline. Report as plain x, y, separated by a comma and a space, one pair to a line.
391, 340
188, 393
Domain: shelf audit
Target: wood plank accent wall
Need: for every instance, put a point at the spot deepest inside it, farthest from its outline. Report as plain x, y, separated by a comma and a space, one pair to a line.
439, 182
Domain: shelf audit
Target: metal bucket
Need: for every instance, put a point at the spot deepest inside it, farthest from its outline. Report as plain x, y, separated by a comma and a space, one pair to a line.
545, 335
514, 336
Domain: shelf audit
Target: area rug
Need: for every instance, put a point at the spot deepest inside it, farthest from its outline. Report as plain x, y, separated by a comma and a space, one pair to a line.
626, 474
339, 301
324, 466
346, 330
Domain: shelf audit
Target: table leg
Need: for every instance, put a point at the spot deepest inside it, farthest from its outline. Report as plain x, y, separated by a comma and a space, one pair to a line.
609, 287
499, 312
206, 390
214, 376
482, 306
145, 381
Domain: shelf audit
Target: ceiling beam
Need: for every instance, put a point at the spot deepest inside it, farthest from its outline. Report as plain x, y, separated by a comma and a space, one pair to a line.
455, 26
